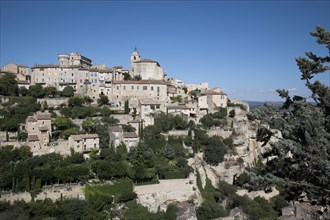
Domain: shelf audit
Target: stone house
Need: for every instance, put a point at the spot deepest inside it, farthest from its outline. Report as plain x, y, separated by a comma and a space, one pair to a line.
148, 107
188, 111
131, 139
212, 99
39, 130
77, 71
117, 136
21, 71
126, 90
84, 143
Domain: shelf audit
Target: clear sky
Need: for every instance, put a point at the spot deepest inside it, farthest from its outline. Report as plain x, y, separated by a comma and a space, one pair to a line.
247, 48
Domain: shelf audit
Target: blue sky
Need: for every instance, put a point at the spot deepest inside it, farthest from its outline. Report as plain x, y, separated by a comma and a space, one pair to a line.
247, 48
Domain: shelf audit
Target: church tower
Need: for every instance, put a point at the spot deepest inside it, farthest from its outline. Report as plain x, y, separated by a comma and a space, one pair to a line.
135, 56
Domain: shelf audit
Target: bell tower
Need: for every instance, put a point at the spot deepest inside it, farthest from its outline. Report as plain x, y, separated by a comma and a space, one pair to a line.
135, 56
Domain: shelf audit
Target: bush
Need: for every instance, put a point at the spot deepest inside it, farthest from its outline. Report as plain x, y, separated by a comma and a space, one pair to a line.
210, 210
127, 196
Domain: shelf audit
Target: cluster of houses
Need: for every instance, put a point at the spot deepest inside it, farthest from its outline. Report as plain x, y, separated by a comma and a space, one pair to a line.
144, 87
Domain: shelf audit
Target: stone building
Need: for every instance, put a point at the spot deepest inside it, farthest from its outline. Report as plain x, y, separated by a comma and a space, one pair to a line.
84, 143
146, 68
211, 100
39, 130
21, 71
77, 71
126, 90
117, 136
74, 59
148, 107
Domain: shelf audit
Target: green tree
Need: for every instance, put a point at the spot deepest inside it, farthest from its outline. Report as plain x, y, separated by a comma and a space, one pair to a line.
110, 120
50, 91
103, 100
207, 121
36, 91
127, 76
23, 91
232, 113
214, 150
68, 91
76, 101
137, 78
306, 135
126, 107
8, 85
128, 128
90, 125
62, 123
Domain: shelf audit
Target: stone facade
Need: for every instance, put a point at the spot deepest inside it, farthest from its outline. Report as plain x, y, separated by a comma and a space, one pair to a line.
146, 68
126, 90
117, 136
212, 100
148, 107
39, 131
21, 71
84, 143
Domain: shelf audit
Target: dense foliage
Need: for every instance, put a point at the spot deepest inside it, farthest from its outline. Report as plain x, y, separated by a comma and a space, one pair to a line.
16, 110
302, 161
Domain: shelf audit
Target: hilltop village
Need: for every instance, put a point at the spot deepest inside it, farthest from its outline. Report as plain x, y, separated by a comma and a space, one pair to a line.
140, 91
126, 142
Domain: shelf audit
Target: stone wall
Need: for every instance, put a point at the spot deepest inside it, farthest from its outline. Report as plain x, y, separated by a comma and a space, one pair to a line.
52, 192
54, 102
158, 196
10, 134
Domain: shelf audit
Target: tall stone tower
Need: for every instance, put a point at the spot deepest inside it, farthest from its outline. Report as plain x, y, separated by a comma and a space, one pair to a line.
135, 56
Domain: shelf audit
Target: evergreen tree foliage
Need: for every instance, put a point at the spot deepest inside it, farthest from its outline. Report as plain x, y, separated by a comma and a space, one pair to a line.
8, 85
302, 161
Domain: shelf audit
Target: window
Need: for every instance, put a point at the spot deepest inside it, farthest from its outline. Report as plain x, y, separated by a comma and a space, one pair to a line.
152, 88
94, 145
132, 87
77, 146
158, 89
144, 87
72, 74
137, 88
124, 87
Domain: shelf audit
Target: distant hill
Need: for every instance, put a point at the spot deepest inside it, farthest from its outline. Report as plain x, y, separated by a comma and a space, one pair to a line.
255, 104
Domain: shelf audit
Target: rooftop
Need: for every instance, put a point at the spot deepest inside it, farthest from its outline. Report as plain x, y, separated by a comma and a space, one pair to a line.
33, 137
130, 135
179, 106
149, 101
115, 129
80, 137
212, 92
157, 82
43, 116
